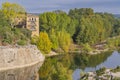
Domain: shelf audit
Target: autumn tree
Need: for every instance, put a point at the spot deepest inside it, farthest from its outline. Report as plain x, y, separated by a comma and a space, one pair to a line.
44, 43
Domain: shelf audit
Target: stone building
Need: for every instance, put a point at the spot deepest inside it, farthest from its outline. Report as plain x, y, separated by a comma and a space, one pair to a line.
32, 23
20, 21
28, 21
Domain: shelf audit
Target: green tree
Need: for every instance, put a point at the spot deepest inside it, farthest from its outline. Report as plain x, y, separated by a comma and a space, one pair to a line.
54, 39
116, 28
3, 20
91, 27
64, 40
48, 21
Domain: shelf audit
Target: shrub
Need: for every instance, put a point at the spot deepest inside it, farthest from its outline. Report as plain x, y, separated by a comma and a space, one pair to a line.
117, 69
113, 42
21, 42
101, 71
86, 47
34, 40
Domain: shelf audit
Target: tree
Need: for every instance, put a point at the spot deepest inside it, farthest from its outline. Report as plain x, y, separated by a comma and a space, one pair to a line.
64, 40
48, 21
12, 11
8, 34
91, 27
116, 28
54, 39
3, 20
58, 25
57, 21
44, 43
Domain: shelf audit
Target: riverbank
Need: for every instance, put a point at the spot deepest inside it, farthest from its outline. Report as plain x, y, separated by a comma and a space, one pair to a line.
109, 44
103, 74
12, 57
52, 53
93, 52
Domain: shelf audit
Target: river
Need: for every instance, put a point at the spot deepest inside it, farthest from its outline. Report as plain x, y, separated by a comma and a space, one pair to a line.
70, 66
63, 67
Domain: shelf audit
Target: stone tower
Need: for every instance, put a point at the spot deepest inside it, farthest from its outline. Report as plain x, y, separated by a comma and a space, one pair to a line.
32, 23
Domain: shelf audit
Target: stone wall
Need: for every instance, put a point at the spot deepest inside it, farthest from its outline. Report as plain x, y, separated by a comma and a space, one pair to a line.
12, 57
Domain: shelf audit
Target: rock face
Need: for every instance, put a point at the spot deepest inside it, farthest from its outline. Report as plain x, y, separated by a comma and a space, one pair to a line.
12, 57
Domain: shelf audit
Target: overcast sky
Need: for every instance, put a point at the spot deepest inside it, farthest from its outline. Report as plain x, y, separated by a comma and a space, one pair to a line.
39, 6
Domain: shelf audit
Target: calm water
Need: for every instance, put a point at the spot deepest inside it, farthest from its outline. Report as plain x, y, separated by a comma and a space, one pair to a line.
64, 67
110, 62
69, 67
28, 73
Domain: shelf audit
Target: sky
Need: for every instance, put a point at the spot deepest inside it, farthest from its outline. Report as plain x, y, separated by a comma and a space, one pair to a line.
40, 6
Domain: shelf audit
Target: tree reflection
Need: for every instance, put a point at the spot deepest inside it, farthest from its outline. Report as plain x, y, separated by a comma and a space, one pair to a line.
61, 67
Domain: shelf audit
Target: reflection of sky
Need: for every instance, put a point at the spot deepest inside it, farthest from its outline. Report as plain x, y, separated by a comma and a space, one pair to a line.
38, 6
111, 62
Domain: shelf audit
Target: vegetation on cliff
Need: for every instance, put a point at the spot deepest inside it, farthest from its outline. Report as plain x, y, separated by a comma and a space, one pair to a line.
9, 34
43, 42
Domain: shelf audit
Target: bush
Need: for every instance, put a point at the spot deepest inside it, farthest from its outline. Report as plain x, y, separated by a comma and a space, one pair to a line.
26, 32
86, 48
117, 69
113, 42
34, 40
101, 71
21, 42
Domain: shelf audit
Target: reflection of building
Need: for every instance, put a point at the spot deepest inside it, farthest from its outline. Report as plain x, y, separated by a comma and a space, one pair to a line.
30, 22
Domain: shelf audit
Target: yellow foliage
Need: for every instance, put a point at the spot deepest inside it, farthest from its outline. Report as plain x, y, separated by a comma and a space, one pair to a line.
34, 39
11, 11
44, 43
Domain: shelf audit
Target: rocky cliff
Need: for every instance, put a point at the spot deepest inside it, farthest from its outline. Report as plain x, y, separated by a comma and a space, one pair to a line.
12, 57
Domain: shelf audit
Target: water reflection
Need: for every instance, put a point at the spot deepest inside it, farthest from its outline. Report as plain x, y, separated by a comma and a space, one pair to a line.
28, 73
68, 67
108, 60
